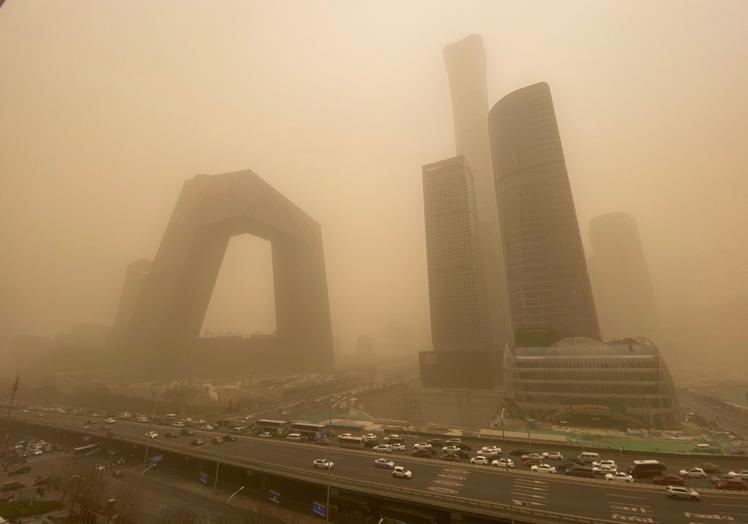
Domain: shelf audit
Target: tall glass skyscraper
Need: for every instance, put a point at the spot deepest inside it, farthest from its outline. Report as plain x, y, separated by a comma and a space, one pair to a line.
550, 297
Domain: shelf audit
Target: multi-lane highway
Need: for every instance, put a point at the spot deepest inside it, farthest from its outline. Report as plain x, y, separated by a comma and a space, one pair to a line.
479, 489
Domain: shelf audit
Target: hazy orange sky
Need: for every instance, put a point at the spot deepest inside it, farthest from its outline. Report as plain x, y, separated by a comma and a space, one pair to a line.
107, 107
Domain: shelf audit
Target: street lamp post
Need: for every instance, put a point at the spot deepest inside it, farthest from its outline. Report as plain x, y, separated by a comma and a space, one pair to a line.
228, 500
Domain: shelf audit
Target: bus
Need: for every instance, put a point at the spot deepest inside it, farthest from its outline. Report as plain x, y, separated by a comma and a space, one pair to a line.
643, 469
351, 442
308, 430
278, 428
85, 451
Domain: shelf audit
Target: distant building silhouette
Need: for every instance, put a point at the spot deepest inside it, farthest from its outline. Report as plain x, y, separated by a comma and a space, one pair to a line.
466, 342
135, 277
549, 289
168, 315
620, 279
465, 61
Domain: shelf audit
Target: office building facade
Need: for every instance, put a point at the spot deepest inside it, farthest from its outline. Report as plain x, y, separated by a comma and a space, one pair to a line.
466, 351
581, 381
550, 297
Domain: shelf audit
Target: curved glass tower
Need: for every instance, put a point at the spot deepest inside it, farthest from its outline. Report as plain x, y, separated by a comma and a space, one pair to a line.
550, 297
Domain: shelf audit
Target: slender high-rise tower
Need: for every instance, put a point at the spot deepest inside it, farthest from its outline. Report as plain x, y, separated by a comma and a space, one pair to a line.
465, 61
466, 350
550, 295
620, 279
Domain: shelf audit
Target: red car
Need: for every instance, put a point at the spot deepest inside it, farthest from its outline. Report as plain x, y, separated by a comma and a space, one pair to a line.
731, 483
668, 480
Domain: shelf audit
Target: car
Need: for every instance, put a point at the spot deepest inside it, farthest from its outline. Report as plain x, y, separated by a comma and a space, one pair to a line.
422, 445
217, 440
519, 452
151, 434
581, 471
228, 437
187, 432
503, 463
402, 473
553, 455
453, 441
450, 449
531, 456
709, 467
697, 473
197, 442
265, 434
423, 453
345, 435
207, 427
452, 457
370, 437
294, 436
392, 439
683, 493
607, 462
384, 463
604, 469
619, 476
179, 424
397, 447
382, 448
170, 434
489, 451
323, 463
110, 420
667, 480
731, 483
543, 468
436, 442
743, 474
480, 459
588, 457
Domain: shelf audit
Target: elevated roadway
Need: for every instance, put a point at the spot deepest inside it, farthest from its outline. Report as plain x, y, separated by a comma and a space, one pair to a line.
479, 490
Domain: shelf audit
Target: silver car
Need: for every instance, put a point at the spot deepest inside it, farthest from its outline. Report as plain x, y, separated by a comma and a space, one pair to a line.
680, 492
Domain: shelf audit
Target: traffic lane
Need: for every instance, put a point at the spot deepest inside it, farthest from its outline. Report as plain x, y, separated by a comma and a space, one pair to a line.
284, 448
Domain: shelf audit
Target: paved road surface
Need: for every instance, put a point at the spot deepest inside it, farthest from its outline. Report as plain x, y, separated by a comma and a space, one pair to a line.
473, 485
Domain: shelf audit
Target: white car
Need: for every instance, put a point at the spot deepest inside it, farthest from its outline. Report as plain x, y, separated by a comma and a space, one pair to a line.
370, 437
739, 474
543, 468
450, 449
323, 463
207, 427
384, 463
151, 434
422, 445
397, 447
294, 436
604, 469
345, 435
479, 460
141, 418
503, 463
553, 455
401, 472
382, 448
608, 462
696, 473
489, 451
265, 434
619, 476
110, 420
679, 492
391, 438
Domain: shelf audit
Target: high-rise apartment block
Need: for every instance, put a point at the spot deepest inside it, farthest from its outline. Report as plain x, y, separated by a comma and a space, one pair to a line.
550, 295
465, 340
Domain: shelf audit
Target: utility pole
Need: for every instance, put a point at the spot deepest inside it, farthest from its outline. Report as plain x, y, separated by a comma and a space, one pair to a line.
13, 391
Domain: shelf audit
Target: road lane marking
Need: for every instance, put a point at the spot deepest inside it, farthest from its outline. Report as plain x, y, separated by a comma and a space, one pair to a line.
630, 509
444, 491
625, 496
531, 495
448, 483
